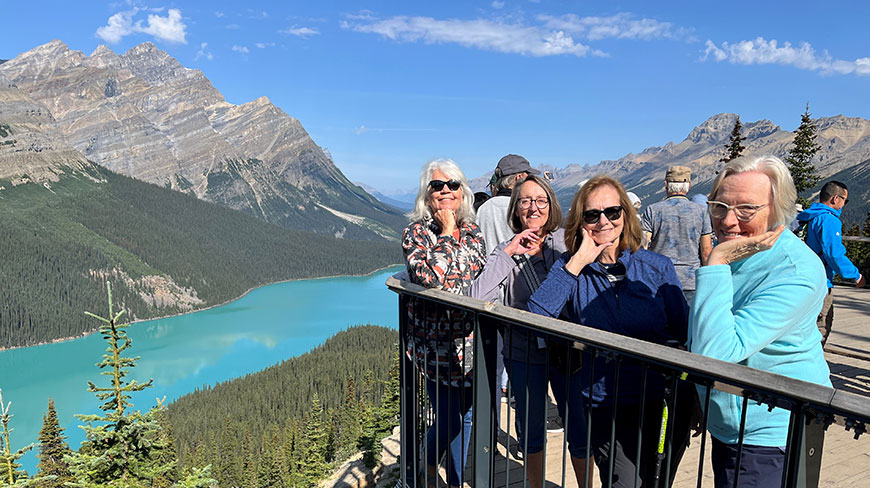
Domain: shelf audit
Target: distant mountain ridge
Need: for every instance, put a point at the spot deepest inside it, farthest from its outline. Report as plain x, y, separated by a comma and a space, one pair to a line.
844, 153
145, 115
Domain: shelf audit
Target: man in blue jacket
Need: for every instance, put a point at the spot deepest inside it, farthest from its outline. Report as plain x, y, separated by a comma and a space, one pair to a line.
824, 230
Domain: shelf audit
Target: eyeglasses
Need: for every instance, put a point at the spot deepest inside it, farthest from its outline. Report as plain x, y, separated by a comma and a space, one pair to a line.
845, 200
594, 215
743, 211
438, 185
541, 203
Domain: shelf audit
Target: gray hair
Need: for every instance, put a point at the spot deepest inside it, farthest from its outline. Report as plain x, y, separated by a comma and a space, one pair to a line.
678, 187
506, 182
451, 170
782, 191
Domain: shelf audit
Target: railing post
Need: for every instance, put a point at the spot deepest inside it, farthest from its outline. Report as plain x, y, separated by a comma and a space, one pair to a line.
805, 455
483, 426
407, 401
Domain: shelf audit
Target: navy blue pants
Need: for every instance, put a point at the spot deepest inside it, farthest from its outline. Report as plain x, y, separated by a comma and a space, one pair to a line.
760, 466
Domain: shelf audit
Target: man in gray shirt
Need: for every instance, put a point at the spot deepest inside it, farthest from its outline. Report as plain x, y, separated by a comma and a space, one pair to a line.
679, 228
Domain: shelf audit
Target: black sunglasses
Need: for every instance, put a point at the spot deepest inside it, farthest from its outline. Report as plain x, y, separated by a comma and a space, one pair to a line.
438, 185
593, 216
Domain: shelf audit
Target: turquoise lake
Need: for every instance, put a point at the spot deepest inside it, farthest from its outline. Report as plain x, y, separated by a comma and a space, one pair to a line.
266, 326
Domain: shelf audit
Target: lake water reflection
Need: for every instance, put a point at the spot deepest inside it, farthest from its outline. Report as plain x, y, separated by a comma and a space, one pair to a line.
265, 327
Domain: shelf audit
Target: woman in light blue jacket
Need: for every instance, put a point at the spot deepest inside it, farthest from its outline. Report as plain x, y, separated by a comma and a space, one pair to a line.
758, 309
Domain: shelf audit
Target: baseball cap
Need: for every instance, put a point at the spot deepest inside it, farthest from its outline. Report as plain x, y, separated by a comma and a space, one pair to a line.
678, 174
513, 164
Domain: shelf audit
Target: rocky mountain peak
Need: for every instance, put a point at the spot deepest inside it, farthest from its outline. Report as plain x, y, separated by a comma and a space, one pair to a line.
714, 129
43, 60
759, 129
144, 114
102, 50
103, 57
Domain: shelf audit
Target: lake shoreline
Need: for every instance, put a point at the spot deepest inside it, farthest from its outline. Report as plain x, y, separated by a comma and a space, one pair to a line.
85, 334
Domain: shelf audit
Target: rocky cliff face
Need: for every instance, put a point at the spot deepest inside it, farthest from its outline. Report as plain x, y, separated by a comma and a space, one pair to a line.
145, 115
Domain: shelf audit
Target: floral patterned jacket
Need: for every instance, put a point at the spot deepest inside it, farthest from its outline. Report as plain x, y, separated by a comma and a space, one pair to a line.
441, 340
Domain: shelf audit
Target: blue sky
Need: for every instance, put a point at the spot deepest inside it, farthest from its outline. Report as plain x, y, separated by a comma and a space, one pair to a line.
386, 86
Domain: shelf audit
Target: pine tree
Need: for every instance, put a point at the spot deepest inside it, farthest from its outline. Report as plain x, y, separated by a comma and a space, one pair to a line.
10, 470
800, 156
53, 469
168, 455
313, 462
227, 473
734, 148
123, 449
349, 427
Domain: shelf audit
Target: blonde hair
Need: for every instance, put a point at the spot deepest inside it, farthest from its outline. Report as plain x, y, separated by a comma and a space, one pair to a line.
631, 232
782, 191
421, 209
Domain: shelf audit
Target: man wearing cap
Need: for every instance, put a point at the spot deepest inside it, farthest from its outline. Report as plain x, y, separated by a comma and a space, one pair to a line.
492, 215
679, 228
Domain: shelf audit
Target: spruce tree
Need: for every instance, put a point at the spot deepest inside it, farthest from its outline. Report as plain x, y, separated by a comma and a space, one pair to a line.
734, 148
349, 426
10, 470
53, 448
800, 156
124, 448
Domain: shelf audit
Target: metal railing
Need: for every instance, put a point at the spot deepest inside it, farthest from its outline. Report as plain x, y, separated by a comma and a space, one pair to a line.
813, 408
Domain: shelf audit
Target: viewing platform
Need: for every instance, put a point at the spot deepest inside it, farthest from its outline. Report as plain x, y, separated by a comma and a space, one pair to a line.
845, 460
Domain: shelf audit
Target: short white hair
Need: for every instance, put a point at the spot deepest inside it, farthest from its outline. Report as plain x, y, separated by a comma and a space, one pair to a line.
782, 192
678, 187
451, 171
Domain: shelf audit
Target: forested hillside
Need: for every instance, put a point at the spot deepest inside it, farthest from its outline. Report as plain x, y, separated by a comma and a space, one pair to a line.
286, 425
164, 252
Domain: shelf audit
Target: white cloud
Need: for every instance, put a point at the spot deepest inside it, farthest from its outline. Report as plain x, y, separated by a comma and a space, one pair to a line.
304, 32
253, 14
497, 4
219, 14
232, 26
481, 34
619, 26
240, 49
203, 52
263, 45
360, 130
804, 56
170, 28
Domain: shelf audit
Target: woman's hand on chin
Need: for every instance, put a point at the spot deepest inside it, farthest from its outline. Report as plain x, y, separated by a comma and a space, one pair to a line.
524, 242
446, 218
586, 254
734, 250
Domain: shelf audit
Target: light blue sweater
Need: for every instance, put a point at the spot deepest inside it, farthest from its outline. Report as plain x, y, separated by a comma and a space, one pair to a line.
760, 312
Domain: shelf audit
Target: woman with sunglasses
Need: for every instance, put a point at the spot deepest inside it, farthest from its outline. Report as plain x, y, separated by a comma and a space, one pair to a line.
756, 304
443, 249
513, 271
607, 281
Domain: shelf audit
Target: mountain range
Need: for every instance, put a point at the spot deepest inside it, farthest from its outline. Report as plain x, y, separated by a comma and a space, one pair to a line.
144, 115
844, 155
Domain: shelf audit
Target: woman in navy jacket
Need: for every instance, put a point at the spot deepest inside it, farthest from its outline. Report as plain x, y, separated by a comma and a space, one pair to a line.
606, 281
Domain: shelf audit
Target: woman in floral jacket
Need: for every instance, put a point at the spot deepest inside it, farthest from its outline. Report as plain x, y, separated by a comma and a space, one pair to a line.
444, 249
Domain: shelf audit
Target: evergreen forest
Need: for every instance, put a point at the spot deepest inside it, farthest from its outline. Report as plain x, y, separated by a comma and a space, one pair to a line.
290, 424
164, 252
